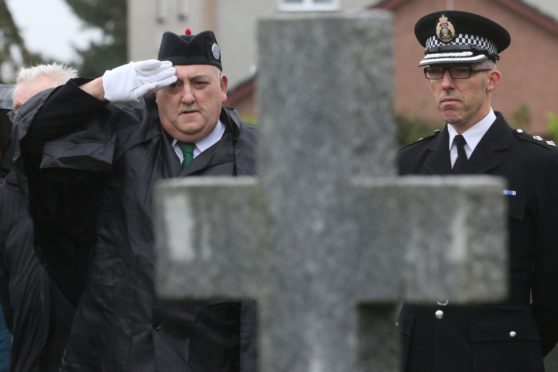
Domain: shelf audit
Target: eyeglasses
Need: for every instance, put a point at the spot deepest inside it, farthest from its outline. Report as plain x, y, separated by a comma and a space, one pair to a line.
456, 72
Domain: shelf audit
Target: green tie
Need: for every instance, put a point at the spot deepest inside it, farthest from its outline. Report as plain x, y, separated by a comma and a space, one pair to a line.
188, 152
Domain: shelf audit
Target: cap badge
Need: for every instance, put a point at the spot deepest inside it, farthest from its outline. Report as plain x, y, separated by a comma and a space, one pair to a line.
445, 30
216, 51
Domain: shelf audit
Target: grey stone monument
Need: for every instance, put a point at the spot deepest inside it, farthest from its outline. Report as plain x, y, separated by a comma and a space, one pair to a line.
551, 361
327, 240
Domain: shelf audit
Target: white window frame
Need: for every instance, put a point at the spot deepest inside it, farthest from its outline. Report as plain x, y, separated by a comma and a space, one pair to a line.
162, 10
182, 9
308, 5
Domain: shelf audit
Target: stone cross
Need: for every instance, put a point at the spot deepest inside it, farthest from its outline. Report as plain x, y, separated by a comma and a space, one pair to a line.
327, 240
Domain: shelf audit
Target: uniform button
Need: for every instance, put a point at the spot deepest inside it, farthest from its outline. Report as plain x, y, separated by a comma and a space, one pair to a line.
443, 302
157, 325
519, 130
439, 314
513, 334
538, 138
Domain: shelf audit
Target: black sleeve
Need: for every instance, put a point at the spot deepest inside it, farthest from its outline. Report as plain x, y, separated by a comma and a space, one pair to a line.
56, 113
66, 149
545, 289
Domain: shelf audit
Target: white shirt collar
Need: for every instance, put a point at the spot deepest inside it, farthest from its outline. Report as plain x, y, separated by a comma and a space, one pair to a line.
203, 144
472, 135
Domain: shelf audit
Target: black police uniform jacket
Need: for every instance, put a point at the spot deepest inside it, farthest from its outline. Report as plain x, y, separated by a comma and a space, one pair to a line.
513, 335
69, 139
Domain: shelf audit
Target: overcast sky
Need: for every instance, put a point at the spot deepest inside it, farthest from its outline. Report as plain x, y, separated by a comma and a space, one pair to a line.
49, 27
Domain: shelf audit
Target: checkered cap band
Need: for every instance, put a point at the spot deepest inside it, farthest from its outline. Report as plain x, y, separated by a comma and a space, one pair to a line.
464, 39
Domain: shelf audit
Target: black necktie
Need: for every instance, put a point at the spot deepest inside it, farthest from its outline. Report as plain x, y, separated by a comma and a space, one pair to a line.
461, 161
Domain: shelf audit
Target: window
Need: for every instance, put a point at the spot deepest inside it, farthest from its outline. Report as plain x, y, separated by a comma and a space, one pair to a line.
167, 9
183, 9
162, 10
308, 5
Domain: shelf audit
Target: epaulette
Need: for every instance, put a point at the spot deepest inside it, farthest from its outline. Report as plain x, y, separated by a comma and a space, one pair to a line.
436, 132
520, 133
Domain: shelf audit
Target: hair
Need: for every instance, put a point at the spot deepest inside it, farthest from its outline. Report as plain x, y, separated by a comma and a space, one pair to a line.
489, 64
59, 74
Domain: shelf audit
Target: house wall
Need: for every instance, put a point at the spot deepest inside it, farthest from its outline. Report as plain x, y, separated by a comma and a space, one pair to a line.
237, 24
525, 65
237, 30
234, 23
145, 28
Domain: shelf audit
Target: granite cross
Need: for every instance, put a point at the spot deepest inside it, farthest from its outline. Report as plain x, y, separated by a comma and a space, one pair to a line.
327, 239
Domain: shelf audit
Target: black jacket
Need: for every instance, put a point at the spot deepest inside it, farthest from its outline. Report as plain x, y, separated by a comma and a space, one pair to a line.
38, 315
120, 325
5, 155
509, 336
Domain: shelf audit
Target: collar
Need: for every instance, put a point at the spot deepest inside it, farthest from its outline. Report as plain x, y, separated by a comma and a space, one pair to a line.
205, 143
474, 134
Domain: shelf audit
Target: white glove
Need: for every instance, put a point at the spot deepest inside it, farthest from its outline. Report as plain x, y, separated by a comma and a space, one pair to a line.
130, 82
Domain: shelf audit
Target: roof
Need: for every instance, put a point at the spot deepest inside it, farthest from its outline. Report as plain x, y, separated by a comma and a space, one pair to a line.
242, 90
6, 96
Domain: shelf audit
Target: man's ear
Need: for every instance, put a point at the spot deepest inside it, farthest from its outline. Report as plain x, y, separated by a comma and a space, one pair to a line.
224, 82
494, 78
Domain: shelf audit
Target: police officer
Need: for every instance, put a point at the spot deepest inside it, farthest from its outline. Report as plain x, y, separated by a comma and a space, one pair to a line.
460, 67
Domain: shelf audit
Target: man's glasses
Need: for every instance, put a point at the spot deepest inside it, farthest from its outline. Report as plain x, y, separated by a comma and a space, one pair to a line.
456, 72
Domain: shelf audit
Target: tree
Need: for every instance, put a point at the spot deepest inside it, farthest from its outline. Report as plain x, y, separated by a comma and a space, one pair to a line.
13, 53
111, 17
